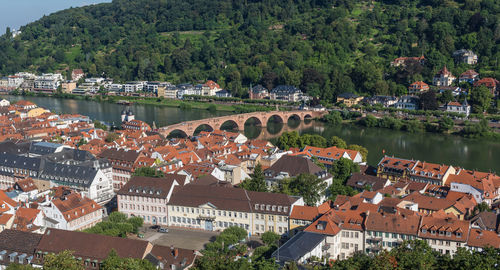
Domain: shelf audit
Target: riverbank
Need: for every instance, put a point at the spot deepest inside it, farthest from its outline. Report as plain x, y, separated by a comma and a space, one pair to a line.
475, 129
174, 103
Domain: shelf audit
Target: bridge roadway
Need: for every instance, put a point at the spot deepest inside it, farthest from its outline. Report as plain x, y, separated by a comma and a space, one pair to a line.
239, 120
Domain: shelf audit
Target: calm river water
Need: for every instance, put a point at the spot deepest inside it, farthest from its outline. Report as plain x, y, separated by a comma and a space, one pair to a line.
453, 150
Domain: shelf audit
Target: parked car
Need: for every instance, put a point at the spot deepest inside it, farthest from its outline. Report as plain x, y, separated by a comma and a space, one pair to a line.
155, 227
140, 235
163, 230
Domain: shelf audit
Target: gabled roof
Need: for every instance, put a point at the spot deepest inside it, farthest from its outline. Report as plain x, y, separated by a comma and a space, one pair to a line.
294, 165
483, 238
151, 187
299, 245
73, 206
19, 241
392, 223
92, 246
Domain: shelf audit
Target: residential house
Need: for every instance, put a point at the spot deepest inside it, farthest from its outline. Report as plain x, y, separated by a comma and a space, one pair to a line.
291, 166
258, 92
404, 61
210, 88
407, 103
457, 107
122, 162
483, 186
147, 197
132, 87
491, 83
223, 93
385, 231
328, 156
444, 235
71, 212
385, 101
360, 182
47, 82
349, 99
287, 93
77, 74
418, 87
469, 76
394, 168
443, 78
68, 86
465, 56
4, 103
432, 173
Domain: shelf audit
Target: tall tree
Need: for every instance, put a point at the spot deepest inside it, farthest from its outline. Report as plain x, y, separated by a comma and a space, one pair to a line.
480, 98
257, 181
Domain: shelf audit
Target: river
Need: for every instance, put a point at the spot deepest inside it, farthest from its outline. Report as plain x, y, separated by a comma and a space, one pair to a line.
482, 155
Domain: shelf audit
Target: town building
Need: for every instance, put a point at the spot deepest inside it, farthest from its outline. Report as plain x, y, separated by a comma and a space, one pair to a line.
122, 162
385, 101
418, 87
210, 88
77, 74
404, 61
491, 83
258, 92
457, 107
327, 156
287, 93
469, 76
407, 103
349, 99
291, 166
465, 56
214, 208
48, 82
71, 212
443, 78
132, 87
147, 197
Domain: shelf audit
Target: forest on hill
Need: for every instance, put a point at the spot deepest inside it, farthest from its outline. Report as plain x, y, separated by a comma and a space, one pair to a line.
325, 47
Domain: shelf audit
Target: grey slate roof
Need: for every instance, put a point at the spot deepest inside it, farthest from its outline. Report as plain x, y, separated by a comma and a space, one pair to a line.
15, 148
285, 90
44, 148
299, 245
20, 162
72, 175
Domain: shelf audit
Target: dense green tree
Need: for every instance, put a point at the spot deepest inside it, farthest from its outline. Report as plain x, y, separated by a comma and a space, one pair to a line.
333, 118
480, 98
257, 181
148, 172
428, 101
308, 186
62, 260
337, 142
446, 124
270, 238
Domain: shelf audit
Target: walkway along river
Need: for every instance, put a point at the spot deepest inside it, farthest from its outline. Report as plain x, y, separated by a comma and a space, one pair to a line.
469, 153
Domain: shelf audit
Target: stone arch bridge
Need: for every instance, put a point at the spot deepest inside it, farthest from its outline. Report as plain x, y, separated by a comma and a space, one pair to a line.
239, 120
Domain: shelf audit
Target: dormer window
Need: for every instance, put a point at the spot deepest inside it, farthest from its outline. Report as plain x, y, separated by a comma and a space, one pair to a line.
459, 234
433, 232
274, 208
424, 231
448, 234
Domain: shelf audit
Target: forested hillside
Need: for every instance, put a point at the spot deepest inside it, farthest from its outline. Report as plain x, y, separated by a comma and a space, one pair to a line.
325, 47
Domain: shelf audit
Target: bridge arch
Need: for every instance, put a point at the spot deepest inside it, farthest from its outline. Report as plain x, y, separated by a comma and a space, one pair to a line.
229, 123
177, 133
202, 127
294, 116
256, 120
276, 118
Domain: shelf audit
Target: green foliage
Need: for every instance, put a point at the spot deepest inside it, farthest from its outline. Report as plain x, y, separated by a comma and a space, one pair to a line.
148, 172
480, 98
308, 186
362, 150
428, 101
270, 238
114, 262
62, 260
117, 225
256, 182
446, 124
292, 139
111, 137
337, 142
324, 47
341, 170
98, 124
333, 118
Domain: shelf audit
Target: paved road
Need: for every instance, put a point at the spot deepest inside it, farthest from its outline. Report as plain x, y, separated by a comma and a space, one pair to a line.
188, 239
